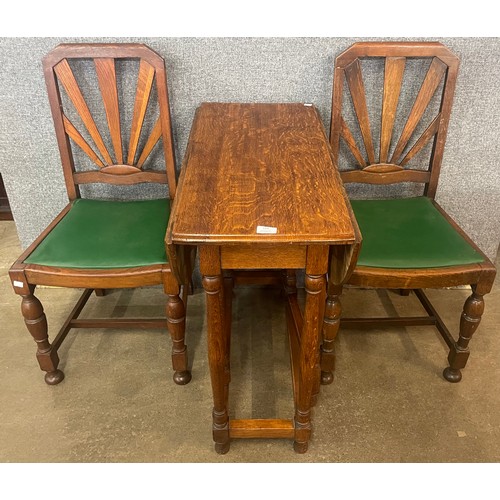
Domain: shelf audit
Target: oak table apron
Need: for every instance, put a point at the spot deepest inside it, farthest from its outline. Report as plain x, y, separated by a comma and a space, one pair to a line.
258, 190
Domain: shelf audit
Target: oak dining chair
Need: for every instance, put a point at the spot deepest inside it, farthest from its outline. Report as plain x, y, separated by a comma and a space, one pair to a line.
409, 242
108, 236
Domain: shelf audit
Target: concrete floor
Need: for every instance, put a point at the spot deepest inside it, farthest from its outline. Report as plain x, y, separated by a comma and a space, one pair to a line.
388, 403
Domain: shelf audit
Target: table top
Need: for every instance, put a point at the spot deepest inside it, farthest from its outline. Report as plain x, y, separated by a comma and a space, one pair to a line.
259, 173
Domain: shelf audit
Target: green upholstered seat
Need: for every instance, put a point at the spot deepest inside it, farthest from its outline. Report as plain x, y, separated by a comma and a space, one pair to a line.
97, 234
409, 233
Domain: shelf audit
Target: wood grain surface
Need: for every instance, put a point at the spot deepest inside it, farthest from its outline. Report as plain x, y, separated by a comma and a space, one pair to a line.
68, 81
250, 165
106, 74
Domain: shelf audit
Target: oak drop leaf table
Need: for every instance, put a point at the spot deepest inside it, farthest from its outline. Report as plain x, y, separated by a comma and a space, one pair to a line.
258, 190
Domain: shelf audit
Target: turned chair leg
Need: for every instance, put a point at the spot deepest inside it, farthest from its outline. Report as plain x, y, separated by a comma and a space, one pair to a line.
331, 324
469, 321
36, 322
176, 323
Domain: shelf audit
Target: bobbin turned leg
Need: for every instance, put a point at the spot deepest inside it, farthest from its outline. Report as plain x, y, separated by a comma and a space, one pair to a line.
308, 359
469, 321
218, 330
331, 324
176, 324
36, 322
315, 281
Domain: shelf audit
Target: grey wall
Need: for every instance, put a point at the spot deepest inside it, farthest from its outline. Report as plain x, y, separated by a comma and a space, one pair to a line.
246, 70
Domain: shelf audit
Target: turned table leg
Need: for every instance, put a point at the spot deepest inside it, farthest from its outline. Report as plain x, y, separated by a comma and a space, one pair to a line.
218, 345
318, 371
315, 282
176, 324
308, 360
36, 322
331, 324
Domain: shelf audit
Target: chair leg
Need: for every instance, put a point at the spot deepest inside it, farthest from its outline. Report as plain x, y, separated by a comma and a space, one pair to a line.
176, 323
36, 322
331, 324
469, 321
100, 292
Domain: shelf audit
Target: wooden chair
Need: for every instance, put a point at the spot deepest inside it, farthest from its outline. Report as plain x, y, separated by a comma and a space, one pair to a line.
408, 243
96, 243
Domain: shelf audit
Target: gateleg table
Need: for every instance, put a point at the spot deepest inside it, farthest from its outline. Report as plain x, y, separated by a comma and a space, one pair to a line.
258, 190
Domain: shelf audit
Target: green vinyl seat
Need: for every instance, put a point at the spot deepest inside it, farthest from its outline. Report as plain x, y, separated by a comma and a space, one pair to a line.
409, 233
98, 234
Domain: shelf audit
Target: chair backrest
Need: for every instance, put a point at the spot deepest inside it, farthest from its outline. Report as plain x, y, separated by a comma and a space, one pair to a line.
118, 151
395, 148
